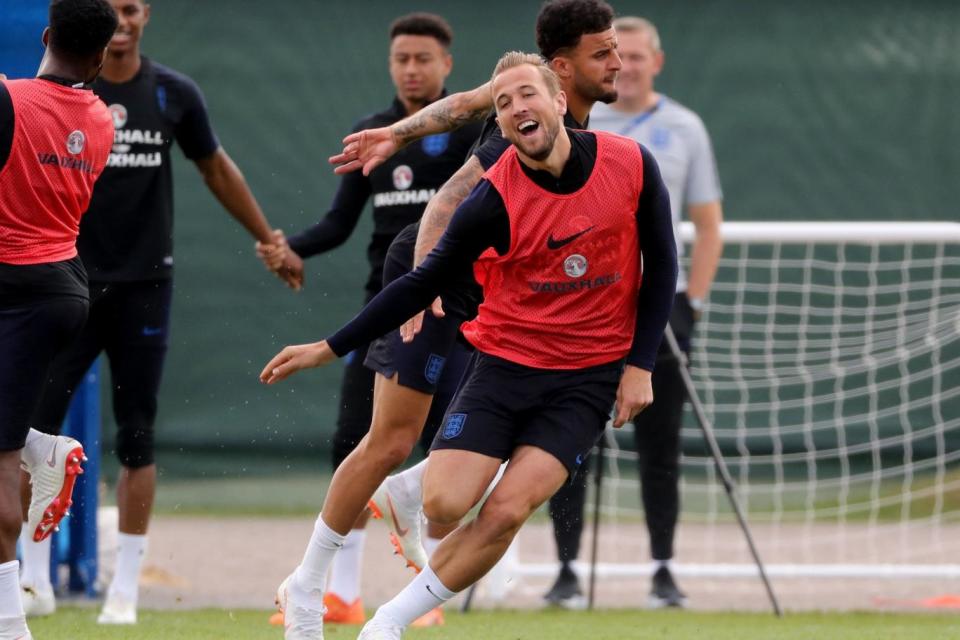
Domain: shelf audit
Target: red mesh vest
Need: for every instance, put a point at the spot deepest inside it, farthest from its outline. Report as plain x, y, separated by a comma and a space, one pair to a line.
62, 138
565, 294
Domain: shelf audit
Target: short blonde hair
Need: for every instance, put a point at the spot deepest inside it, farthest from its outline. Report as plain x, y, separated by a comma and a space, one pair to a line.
635, 24
512, 59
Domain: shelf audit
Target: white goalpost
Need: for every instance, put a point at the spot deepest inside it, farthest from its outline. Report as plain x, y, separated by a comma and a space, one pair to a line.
828, 363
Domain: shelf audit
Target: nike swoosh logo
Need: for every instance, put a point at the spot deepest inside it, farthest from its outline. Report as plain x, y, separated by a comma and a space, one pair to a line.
396, 523
556, 244
52, 462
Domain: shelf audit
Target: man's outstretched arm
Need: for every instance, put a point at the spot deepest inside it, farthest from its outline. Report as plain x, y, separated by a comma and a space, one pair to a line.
370, 148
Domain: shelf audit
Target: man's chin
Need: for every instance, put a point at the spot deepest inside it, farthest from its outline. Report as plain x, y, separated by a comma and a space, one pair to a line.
608, 97
538, 154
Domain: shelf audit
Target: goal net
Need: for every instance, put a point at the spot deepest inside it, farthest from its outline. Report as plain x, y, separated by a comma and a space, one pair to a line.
828, 362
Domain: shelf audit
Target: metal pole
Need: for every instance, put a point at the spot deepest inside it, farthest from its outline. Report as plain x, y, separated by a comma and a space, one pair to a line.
707, 430
598, 495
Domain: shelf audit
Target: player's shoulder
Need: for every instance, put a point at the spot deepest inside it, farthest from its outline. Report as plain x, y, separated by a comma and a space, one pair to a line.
171, 78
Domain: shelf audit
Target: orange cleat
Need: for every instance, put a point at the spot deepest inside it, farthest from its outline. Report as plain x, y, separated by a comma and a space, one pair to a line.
432, 618
339, 612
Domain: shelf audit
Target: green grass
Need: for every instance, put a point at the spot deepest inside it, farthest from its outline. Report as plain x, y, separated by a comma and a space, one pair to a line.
548, 625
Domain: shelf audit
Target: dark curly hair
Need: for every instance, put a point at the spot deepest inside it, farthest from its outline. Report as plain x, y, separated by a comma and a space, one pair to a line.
81, 28
422, 24
561, 23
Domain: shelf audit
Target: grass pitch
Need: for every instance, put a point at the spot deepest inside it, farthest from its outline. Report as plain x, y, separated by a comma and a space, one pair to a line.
213, 624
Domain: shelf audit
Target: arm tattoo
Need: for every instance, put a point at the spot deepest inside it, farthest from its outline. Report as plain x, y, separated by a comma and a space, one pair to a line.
447, 114
442, 206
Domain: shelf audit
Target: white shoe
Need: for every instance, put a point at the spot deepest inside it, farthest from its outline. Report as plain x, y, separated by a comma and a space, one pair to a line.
299, 622
378, 629
118, 610
52, 481
38, 600
14, 628
404, 521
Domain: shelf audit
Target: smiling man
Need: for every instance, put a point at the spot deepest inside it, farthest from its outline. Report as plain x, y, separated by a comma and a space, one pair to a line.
126, 245
551, 361
420, 63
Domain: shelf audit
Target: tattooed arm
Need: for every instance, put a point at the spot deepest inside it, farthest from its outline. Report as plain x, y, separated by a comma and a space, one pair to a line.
443, 204
369, 149
447, 114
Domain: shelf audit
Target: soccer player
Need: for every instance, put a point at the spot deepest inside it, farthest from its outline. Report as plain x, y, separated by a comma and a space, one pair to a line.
126, 246
578, 39
555, 233
420, 62
55, 137
680, 143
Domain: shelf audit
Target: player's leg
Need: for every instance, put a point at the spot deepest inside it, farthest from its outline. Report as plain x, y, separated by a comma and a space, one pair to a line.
30, 337
432, 364
549, 420
136, 349
353, 422
454, 481
658, 445
62, 379
395, 426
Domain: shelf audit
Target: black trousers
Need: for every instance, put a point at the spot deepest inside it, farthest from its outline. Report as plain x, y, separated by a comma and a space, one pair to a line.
657, 431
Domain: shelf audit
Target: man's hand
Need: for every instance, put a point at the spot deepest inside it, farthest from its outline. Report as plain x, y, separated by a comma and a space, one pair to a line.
291, 270
366, 149
634, 394
410, 328
272, 255
295, 358
284, 262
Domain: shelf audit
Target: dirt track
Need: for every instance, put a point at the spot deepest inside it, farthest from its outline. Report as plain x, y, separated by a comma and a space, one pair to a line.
238, 562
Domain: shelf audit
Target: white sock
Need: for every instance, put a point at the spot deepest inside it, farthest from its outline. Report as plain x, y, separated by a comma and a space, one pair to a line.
11, 606
311, 575
408, 485
347, 566
430, 545
426, 592
131, 549
35, 569
662, 564
36, 448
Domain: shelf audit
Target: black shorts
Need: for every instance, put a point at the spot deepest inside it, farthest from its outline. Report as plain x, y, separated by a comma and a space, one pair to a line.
421, 364
31, 335
502, 405
129, 321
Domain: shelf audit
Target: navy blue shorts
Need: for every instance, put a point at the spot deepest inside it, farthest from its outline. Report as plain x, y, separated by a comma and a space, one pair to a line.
502, 405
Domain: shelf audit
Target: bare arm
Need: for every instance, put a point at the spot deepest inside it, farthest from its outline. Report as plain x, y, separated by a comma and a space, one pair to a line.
227, 183
707, 247
443, 204
370, 148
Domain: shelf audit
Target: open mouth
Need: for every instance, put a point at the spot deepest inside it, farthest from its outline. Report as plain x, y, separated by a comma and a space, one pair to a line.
528, 127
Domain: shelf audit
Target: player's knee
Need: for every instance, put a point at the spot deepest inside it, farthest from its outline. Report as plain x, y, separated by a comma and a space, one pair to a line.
443, 509
392, 449
502, 518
